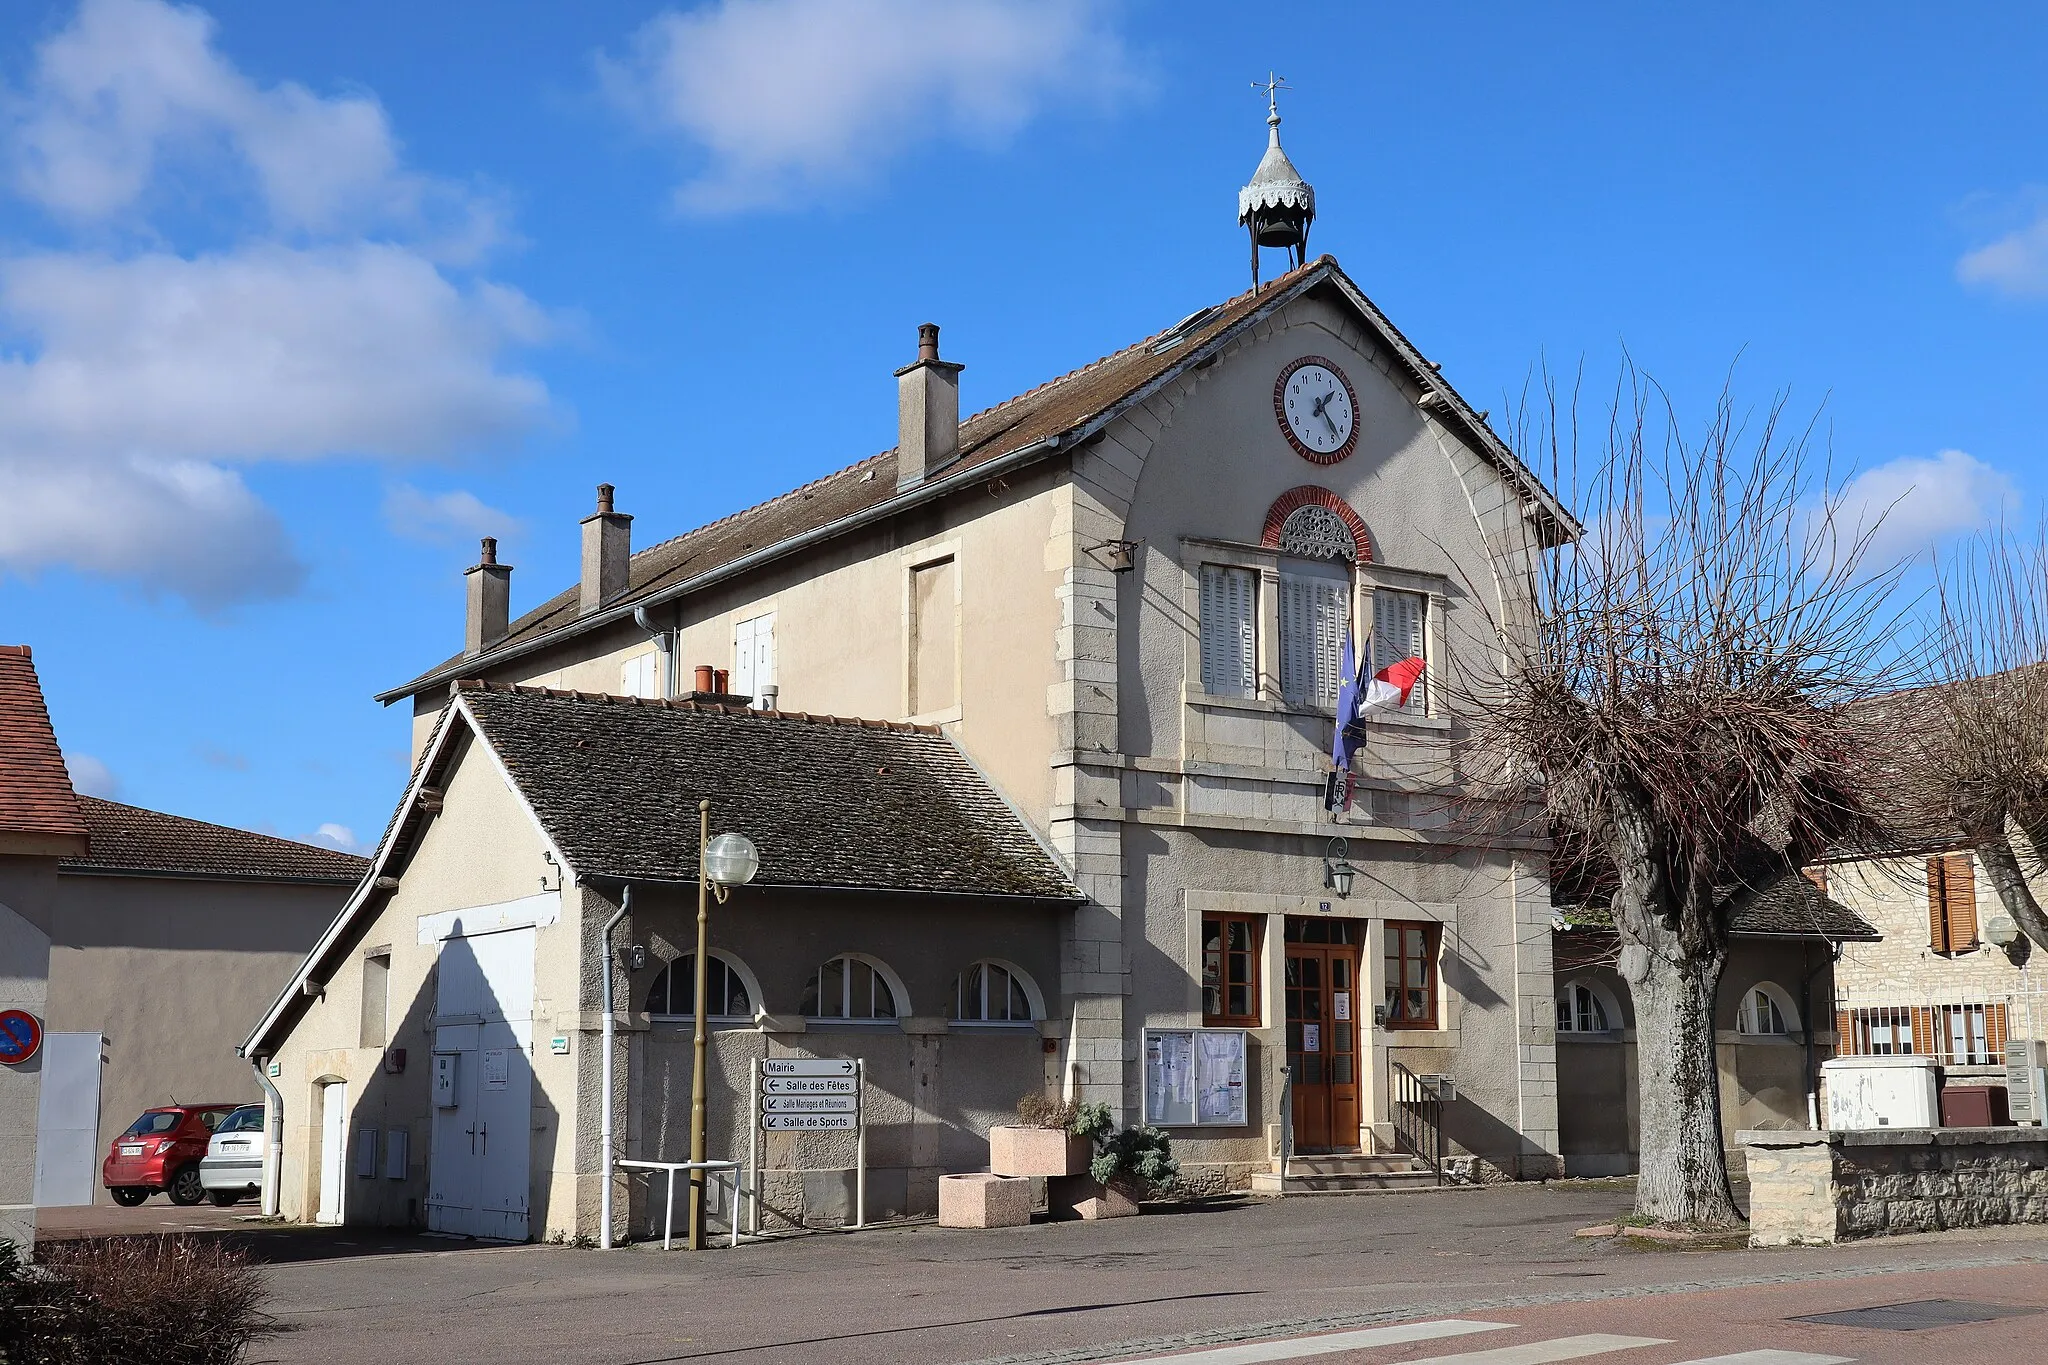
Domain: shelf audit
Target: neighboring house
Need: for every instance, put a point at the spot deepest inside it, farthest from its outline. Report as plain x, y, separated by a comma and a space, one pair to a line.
1936, 984
1773, 1026
171, 936
39, 823
1121, 596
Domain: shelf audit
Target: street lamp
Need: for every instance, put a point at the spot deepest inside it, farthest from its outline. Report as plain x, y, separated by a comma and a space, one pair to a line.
2002, 932
725, 862
1337, 869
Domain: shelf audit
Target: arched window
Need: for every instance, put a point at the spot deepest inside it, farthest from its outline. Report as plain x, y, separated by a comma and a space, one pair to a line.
729, 990
1767, 1011
854, 986
995, 993
1584, 1008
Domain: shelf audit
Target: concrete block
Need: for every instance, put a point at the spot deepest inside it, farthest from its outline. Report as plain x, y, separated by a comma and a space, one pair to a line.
1014, 1151
1081, 1196
983, 1200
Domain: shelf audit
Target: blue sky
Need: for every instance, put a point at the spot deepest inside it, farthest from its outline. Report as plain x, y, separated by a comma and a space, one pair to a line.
297, 300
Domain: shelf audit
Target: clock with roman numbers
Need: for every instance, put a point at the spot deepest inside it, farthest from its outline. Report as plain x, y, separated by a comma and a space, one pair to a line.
1317, 409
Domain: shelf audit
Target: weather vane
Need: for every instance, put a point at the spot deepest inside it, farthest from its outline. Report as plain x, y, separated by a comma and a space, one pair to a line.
1272, 85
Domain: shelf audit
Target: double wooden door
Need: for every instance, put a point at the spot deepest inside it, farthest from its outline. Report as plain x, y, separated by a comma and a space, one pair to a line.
1322, 1001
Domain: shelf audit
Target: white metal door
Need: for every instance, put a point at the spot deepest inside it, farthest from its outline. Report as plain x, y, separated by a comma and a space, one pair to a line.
68, 1120
478, 1176
333, 1150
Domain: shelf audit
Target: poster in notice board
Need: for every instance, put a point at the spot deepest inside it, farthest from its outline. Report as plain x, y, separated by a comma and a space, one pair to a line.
1195, 1076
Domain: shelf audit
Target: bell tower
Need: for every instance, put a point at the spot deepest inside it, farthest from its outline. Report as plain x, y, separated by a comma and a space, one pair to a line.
1278, 205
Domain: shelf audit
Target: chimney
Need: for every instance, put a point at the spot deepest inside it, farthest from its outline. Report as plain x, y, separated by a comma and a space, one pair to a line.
607, 552
490, 600
927, 411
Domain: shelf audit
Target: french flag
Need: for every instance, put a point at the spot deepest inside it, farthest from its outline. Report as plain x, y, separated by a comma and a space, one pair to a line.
1357, 697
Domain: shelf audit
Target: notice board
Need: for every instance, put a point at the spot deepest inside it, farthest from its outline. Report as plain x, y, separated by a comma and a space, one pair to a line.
1195, 1077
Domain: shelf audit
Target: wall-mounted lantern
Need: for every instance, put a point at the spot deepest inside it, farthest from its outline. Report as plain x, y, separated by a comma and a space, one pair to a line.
1119, 555
1337, 869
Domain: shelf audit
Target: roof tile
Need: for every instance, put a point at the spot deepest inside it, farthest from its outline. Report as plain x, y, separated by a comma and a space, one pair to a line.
35, 787
129, 839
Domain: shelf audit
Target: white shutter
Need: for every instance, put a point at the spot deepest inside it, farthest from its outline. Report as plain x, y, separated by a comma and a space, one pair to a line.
1398, 621
742, 683
639, 676
753, 656
1315, 615
1229, 631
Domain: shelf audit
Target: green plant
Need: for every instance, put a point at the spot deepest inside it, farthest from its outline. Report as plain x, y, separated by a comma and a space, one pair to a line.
1135, 1156
1092, 1121
166, 1300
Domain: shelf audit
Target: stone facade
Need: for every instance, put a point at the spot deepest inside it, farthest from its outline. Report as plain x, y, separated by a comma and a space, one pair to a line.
1818, 1188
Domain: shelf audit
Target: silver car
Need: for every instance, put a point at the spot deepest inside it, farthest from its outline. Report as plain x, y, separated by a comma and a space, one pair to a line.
233, 1165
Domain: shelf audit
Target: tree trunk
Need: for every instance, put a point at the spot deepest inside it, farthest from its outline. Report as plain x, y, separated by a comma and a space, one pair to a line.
2003, 865
1684, 1171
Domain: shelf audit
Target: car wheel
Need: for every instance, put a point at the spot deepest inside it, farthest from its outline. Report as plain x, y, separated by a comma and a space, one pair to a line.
128, 1196
225, 1198
185, 1186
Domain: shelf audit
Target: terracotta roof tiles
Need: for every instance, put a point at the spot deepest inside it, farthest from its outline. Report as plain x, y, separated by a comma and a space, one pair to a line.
35, 788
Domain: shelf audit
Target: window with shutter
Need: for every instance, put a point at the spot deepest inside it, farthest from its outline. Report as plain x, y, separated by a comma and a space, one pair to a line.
1315, 620
1399, 620
1951, 903
640, 676
753, 656
1230, 660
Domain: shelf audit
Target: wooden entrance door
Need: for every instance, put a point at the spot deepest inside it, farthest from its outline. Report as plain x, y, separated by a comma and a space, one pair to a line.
1321, 989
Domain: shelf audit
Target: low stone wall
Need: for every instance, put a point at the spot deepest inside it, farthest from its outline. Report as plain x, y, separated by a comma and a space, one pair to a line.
1809, 1188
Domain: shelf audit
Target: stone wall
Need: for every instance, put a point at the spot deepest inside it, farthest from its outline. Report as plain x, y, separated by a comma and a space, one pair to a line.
1809, 1188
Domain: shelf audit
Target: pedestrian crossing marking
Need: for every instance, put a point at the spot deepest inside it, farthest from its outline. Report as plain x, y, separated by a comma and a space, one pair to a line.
1772, 1357
1364, 1338
1543, 1352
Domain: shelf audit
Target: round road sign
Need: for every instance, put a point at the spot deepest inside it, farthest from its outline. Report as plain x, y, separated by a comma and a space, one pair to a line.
21, 1033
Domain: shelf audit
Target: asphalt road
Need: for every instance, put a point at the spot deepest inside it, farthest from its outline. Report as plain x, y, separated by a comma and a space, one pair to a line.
1281, 1274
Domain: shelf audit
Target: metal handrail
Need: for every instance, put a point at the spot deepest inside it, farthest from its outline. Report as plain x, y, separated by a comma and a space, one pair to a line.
1286, 1121
1418, 1116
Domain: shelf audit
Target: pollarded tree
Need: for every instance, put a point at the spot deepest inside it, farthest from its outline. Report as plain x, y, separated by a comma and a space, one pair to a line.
1983, 730
1678, 695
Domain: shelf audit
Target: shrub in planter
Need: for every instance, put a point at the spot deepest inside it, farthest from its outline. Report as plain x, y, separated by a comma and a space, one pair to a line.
132, 1300
1138, 1160
1040, 1143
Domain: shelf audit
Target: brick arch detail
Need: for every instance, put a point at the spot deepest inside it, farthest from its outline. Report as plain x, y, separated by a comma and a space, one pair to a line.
1309, 494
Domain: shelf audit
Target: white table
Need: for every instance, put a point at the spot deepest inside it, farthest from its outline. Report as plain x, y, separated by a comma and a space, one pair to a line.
669, 1219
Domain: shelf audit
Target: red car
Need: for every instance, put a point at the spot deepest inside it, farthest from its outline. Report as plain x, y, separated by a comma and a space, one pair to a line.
161, 1151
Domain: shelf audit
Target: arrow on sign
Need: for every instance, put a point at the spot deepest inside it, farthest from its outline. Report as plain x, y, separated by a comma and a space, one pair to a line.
810, 1085
808, 1066
808, 1104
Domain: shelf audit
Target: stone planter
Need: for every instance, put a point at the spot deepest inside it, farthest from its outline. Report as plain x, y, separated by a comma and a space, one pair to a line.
1037, 1151
1083, 1196
984, 1201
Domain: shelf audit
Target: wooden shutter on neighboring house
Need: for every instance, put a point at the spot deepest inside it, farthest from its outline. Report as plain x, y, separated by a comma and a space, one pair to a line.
1229, 636
1937, 908
1845, 1041
1959, 892
1923, 1030
1995, 1031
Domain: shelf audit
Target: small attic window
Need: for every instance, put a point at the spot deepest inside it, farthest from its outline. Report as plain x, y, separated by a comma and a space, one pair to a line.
1178, 333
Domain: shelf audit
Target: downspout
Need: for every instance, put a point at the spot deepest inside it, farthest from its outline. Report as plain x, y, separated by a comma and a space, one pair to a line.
604, 1127
664, 645
1806, 1009
273, 1136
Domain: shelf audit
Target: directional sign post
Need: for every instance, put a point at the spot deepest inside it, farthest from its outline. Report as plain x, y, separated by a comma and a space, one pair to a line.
811, 1095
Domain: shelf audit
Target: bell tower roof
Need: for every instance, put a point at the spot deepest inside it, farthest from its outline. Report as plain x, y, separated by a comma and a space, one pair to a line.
1278, 205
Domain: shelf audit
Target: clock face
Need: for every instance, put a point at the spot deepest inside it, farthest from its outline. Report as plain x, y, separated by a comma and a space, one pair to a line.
1317, 411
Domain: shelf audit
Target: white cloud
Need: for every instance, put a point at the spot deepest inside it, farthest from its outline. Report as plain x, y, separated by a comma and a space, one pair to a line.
331, 835
132, 383
1922, 500
786, 100
2013, 227
92, 777
2016, 264
442, 517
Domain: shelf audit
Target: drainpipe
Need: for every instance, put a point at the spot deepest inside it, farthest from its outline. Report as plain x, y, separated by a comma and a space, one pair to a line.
604, 1127
1806, 1008
273, 1143
664, 645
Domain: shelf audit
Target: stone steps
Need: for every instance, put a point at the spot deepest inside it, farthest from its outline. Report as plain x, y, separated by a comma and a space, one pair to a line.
1346, 1174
